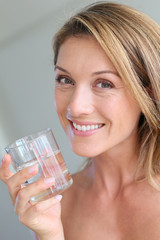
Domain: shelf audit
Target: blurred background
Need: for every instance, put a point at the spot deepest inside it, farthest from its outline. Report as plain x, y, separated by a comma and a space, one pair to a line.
27, 81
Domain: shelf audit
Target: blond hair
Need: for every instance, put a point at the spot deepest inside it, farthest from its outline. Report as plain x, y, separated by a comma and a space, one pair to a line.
132, 42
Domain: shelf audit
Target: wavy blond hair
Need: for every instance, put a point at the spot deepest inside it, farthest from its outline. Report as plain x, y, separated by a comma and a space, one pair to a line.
132, 42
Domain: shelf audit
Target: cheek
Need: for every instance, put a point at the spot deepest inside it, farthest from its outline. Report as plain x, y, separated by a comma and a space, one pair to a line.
110, 108
121, 111
60, 109
59, 101
61, 105
129, 115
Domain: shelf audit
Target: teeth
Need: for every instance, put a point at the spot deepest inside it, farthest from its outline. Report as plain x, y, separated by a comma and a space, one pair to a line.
88, 128
79, 127
85, 128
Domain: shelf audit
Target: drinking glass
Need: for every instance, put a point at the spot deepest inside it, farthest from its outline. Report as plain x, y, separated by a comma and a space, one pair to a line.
41, 148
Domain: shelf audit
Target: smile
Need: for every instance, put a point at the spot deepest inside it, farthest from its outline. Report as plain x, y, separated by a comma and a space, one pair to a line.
85, 128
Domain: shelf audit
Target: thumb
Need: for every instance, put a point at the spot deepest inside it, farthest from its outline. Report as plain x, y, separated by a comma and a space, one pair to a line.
5, 172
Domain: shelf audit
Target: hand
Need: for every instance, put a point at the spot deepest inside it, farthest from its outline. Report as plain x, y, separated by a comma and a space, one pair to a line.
5, 173
42, 217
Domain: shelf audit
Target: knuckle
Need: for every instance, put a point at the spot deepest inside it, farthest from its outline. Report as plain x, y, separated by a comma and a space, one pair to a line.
23, 173
39, 184
22, 194
36, 208
9, 182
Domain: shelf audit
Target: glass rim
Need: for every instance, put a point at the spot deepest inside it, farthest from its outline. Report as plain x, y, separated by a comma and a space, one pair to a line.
40, 132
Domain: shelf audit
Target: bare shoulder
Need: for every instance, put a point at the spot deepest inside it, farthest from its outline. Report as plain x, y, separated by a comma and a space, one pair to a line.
141, 205
137, 211
143, 194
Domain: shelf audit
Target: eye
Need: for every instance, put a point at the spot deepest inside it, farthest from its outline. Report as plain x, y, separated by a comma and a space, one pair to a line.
62, 80
105, 84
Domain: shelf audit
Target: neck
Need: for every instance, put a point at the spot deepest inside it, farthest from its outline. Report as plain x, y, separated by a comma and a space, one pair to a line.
113, 170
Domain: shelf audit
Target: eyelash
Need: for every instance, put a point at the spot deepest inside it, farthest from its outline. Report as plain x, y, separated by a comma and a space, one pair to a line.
103, 81
59, 80
71, 82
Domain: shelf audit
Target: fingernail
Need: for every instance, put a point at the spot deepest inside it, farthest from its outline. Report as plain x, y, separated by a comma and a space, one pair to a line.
58, 197
32, 168
49, 180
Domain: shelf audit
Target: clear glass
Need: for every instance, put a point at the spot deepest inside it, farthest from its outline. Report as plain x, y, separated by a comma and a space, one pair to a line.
41, 148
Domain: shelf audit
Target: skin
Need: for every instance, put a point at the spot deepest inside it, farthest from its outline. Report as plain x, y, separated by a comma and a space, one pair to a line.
104, 202
42, 217
85, 97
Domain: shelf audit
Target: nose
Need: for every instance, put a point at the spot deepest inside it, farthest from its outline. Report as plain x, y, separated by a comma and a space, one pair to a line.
81, 102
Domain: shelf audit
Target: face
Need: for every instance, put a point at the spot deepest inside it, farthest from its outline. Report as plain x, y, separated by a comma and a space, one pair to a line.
95, 108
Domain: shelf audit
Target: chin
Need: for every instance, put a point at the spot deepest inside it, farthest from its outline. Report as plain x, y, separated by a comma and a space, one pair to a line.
85, 151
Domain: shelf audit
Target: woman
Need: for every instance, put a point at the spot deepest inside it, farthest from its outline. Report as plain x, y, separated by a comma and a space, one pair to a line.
107, 96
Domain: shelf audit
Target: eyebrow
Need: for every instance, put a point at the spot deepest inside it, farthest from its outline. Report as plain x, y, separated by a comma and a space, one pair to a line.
60, 68
106, 71
95, 73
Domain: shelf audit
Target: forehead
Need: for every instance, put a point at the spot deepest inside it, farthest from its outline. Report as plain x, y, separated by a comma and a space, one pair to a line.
83, 51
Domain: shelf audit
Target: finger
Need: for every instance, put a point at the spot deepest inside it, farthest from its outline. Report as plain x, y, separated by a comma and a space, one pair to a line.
34, 189
5, 172
15, 182
33, 214
42, 206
